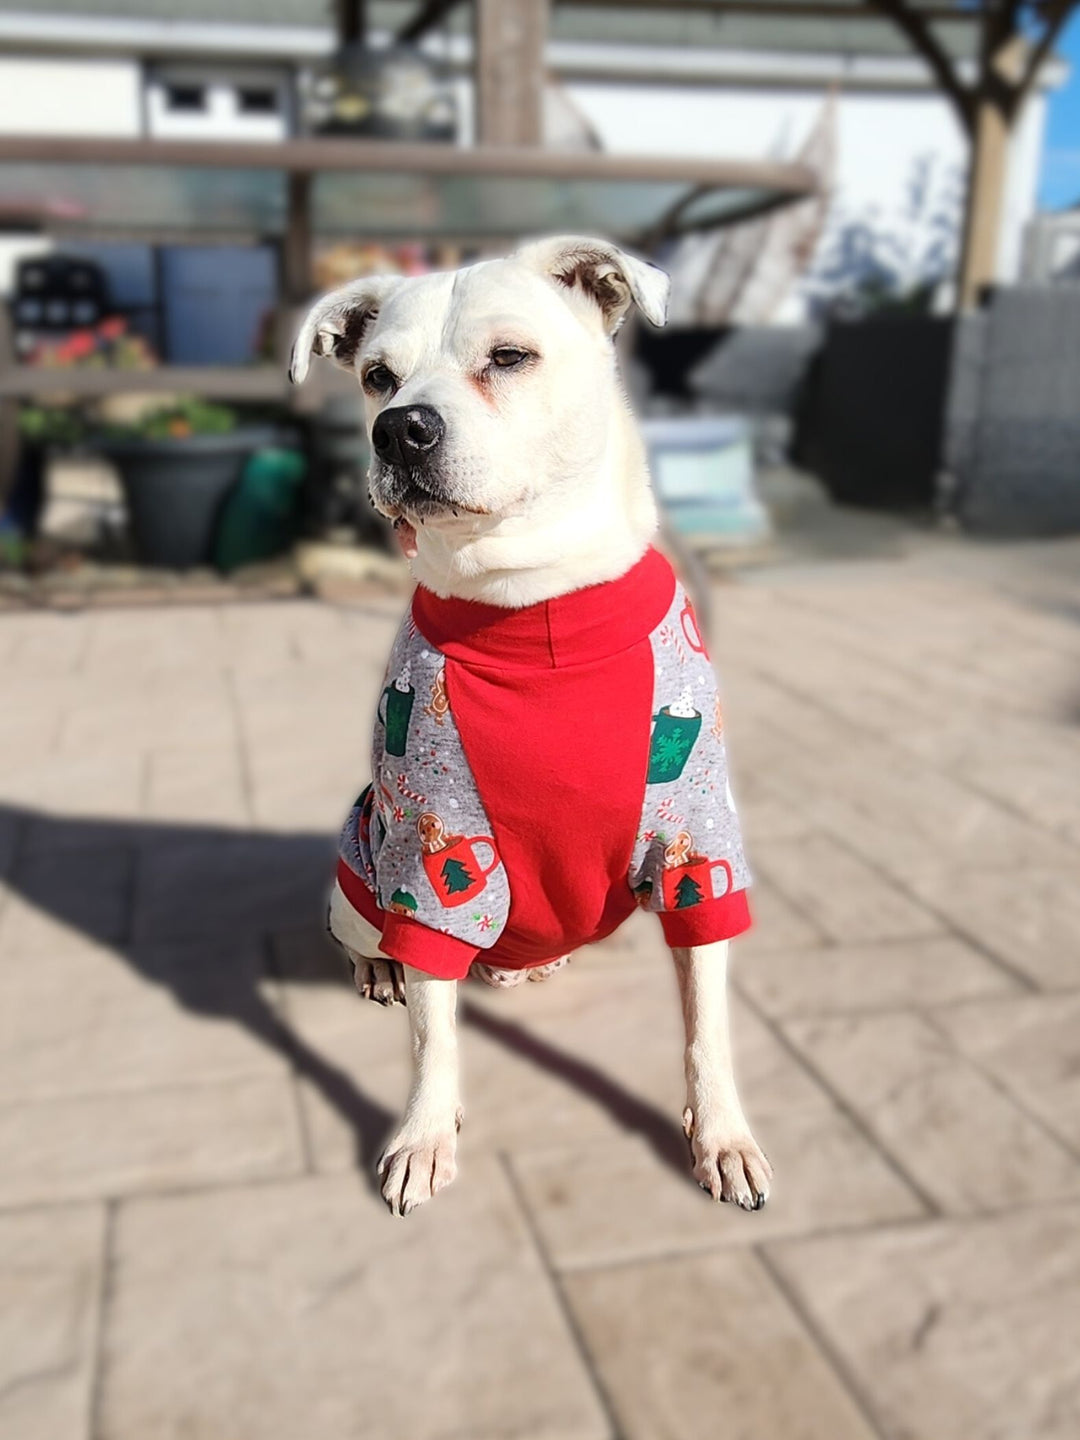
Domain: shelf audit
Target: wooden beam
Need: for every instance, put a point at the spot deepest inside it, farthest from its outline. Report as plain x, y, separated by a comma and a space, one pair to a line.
986, 188
508, 43
327, 155
351, 16
296, 245
912, 23
789, 9
1054, 16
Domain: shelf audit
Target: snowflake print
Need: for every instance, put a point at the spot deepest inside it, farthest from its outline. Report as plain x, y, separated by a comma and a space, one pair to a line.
484, 922
672, 749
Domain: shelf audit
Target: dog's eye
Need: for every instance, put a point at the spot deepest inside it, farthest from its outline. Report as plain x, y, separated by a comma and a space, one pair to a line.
507, 356
380, 379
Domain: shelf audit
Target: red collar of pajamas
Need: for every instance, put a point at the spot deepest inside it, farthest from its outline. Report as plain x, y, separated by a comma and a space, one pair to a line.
568, 765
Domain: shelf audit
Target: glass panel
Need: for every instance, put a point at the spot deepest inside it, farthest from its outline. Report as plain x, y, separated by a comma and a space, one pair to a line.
146, 198
133, 200
465, 205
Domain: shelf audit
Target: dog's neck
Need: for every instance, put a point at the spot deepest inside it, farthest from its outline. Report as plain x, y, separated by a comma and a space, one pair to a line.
557, 544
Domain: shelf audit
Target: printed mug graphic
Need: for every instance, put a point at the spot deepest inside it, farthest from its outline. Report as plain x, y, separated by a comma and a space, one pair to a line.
398, 699
691, 629
675, 730
450, 861
687, 876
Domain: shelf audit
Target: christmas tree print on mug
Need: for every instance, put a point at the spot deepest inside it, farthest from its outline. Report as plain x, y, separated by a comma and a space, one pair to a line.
398, 699
450, 861
687, 876
675, 730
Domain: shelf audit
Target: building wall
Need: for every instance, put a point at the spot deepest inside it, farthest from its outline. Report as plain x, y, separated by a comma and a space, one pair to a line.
40, 96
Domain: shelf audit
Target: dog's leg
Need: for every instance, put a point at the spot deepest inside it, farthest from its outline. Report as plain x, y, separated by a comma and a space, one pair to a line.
421, 1158
728, 1162
375, 975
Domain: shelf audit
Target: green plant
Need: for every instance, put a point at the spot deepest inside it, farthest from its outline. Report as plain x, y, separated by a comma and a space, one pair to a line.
178, 420
51, 425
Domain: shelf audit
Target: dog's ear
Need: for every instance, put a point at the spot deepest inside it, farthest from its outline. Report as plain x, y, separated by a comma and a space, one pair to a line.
609, 276
336, 323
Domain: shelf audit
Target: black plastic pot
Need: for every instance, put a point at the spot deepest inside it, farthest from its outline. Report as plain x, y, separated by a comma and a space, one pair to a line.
175, 489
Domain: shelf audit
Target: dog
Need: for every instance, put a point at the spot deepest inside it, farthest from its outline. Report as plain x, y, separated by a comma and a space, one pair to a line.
552, 634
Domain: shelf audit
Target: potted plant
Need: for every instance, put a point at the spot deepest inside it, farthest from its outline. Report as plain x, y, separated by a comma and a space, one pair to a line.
178, 464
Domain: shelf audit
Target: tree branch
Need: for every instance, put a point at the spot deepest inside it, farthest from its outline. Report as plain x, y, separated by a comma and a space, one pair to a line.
923, 39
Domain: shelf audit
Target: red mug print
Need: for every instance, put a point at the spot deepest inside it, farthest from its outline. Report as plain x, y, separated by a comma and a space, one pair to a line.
690, 884
455, 873
691, 629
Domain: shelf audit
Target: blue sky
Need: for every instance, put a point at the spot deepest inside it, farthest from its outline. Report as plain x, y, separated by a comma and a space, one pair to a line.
1060, 181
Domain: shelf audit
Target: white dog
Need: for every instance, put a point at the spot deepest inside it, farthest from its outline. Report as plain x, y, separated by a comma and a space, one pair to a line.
549, 750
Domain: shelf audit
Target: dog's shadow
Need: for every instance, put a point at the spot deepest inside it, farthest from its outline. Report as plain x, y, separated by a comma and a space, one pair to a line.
155, 894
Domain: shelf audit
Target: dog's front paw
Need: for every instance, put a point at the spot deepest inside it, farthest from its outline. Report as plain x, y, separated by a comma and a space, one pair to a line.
380, 980
415, 1168
730, 1166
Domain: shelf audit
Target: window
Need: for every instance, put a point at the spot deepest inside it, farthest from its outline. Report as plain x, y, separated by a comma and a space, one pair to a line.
256, 100
186, 99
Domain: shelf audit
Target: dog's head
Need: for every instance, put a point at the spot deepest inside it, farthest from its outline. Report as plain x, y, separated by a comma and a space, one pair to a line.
489, 386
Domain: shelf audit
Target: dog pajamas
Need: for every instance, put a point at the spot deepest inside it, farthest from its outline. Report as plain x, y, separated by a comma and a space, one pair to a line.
538, 773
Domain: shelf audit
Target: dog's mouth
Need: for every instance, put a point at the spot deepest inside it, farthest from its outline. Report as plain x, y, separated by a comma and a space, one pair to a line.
405, 535
408, 499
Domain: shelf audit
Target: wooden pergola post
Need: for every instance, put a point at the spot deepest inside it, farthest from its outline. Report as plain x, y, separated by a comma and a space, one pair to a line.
996, 104
508, 43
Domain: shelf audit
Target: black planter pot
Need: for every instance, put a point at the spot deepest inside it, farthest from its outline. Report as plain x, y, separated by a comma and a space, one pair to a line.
175, 489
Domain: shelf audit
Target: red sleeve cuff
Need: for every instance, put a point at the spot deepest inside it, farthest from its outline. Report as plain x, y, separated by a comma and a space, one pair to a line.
404, 938
432, 951
705, 924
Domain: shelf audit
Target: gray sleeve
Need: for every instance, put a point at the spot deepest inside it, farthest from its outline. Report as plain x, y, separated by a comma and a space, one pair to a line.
434, 856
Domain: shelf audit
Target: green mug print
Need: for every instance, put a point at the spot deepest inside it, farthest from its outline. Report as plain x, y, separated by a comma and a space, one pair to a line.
399, 705
672, 740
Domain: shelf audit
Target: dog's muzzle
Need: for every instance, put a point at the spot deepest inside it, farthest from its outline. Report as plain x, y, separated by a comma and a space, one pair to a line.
408, 471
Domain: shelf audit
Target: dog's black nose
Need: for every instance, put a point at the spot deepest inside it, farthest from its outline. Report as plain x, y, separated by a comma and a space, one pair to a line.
407, 434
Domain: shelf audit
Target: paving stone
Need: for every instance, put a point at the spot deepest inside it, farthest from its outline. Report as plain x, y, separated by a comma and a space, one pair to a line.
50, 1282
1030, 1045
1030, 918
614, 1200
846, 897
953, 1329
961, 1140
79, 1021
291, 1311
778, 925
205, 884
794, 981
196, 785
129, 1142
195, 715
10, 827
78, 787
705, 1344
87, 889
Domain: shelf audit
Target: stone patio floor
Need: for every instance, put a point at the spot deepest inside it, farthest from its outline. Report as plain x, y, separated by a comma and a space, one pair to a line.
192, 1099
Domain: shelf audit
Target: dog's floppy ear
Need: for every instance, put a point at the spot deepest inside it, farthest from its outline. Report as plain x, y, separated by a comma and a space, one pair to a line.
335, 324
608, 275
